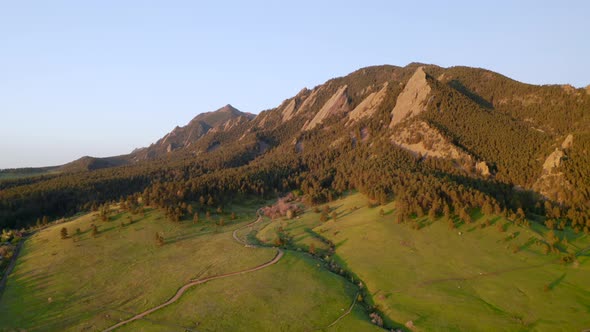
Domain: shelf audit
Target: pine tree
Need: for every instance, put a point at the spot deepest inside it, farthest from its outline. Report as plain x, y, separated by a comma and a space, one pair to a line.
64, 233
159, 239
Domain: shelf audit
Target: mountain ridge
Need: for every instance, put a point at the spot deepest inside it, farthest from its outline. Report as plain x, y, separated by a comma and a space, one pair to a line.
468, 123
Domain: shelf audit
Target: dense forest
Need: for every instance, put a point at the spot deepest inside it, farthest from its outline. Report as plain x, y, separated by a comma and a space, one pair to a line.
511, 126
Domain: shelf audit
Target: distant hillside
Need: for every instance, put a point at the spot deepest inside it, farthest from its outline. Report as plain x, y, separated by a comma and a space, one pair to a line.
479, 138
182, 137
18, 173
92, 163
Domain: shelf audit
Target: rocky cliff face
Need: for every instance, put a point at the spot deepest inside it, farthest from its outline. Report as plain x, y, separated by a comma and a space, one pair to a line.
473, 117
412, 100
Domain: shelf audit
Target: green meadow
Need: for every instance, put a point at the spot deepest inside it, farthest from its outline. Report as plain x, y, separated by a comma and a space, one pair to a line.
470, 278
92, 281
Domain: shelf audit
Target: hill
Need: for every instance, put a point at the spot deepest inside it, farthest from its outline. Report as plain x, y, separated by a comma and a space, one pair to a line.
472, 127
484, 274
471, 170
222, 119
92, 280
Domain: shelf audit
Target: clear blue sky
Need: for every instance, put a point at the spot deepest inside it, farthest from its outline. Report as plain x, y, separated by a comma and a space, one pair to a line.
103, 77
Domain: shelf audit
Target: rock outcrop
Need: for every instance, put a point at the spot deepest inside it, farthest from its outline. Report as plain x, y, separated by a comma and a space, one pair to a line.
289, 110
553, 161
552, 181
423, 140
412, 100
482, 168
368, 106
568, 142
338, 103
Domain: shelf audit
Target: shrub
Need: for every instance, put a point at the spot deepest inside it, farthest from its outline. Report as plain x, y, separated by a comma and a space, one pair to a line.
64, 233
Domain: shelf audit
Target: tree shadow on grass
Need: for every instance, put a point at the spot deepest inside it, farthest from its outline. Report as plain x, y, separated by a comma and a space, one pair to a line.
556, 282
339, 244
532, 240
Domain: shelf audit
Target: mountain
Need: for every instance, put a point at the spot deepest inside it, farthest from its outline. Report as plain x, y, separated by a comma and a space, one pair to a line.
180, 137
467, 131
222, 119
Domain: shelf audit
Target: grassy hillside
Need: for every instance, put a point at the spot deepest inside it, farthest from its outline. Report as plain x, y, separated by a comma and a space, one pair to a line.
87, 282
293, 295
467, 278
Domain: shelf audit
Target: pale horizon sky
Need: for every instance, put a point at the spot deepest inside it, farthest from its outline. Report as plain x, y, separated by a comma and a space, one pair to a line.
101, 78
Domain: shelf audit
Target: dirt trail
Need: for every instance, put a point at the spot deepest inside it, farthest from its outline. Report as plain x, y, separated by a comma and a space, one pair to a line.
346, 313
195, 282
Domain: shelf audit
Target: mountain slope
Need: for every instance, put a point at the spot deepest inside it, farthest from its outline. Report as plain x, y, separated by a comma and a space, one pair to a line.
466, 126
222, 119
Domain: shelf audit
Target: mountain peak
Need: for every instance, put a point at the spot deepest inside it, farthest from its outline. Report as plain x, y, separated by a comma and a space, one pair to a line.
228, 109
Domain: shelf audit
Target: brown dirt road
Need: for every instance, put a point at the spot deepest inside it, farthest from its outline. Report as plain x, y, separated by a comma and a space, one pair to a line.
192, 283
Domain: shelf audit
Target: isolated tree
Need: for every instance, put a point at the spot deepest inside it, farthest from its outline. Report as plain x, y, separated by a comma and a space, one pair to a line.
447, 211
233, 216
552, 238
334, 215
104, 213
159, 239
290, 214
465, 216
196, 218
487, 208
64, 233
312, 249
419, 211
323, 216
550, 223
432, 213
208, 215
451, 223
94, 230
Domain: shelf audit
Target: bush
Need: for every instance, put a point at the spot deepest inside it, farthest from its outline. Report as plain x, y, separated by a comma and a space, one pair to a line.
64, 233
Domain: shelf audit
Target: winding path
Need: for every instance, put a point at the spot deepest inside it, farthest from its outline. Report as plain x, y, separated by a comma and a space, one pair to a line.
346, 313
195, 282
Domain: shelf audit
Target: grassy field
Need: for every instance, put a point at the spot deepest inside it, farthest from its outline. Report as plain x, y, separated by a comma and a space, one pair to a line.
445, 279
93, 282
293, 295
61, 284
